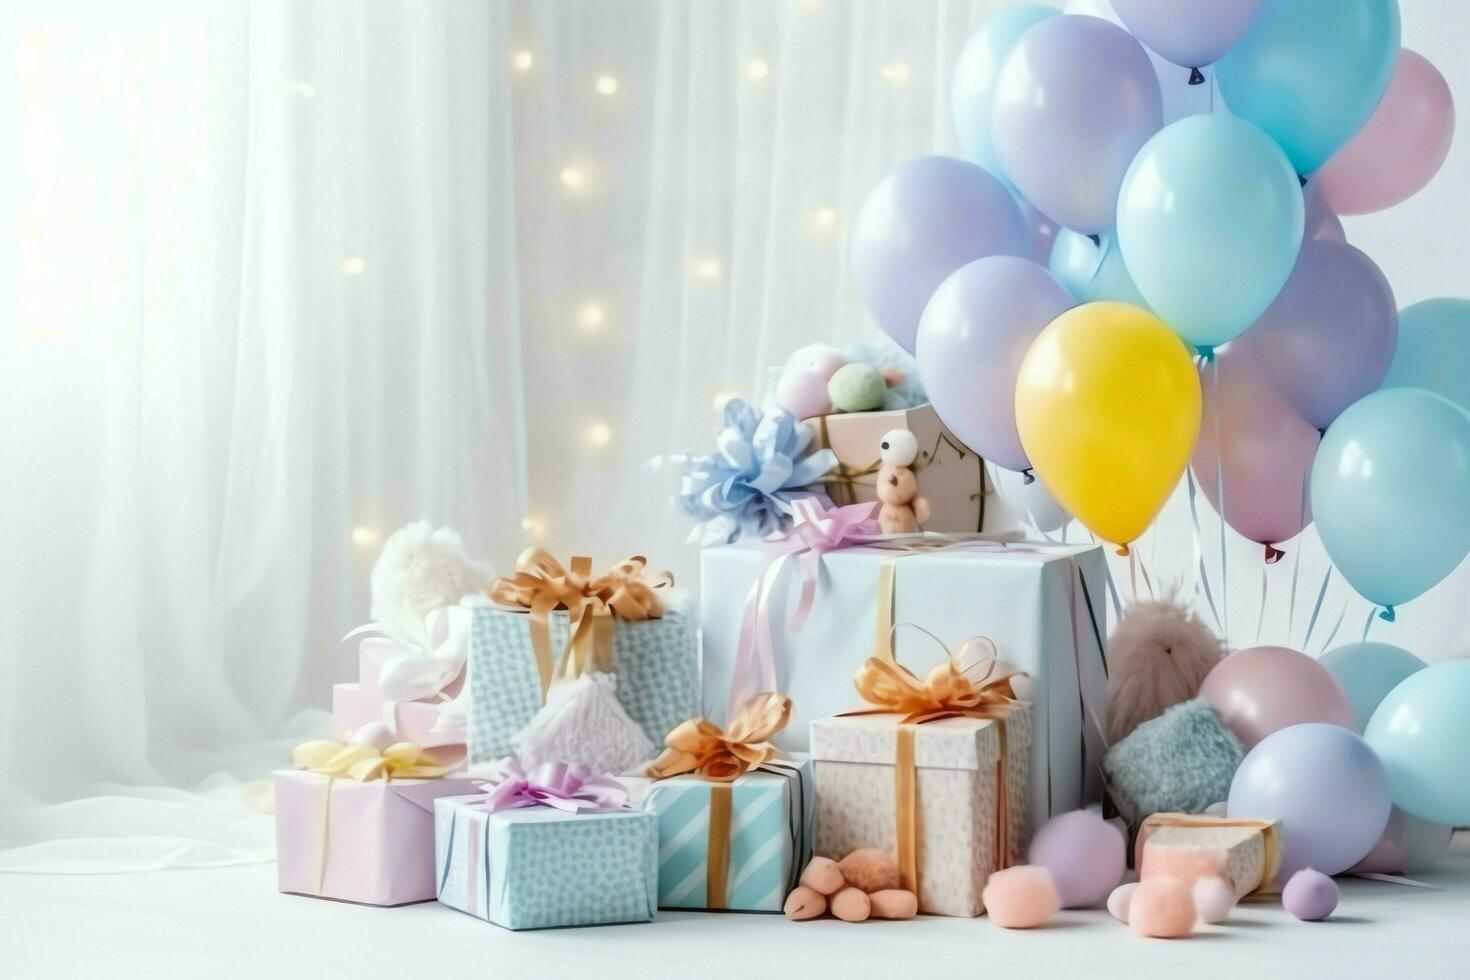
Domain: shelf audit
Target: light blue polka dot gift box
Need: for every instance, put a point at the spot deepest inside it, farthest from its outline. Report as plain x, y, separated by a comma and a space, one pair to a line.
552, 624
556, 846
734, 817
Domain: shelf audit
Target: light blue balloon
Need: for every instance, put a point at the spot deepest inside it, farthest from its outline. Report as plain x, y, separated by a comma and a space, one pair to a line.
1311, 72
1433, 350
1092, 271
1391, 493
1367, 672
974, 80
1421, 732
1210, 222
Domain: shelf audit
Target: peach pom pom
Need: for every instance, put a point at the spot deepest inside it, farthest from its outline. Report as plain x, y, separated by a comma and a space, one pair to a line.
823, 875
804, 903
894, 903
851, 905
870, 869
1162, 908
1022, 897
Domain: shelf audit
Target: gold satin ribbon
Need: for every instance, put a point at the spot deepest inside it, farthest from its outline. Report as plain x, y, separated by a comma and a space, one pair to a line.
541, 584
722, 756
948, 692
361, 764
1269, 830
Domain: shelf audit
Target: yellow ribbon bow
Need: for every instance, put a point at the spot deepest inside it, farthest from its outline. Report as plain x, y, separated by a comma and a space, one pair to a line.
541, 584
700, 746
364, 763
725, 755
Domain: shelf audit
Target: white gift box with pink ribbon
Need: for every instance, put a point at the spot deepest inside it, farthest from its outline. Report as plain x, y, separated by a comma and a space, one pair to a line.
1043, 605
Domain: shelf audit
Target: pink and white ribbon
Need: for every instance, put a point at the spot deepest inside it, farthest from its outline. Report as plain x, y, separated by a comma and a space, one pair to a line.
819, 528
569, 788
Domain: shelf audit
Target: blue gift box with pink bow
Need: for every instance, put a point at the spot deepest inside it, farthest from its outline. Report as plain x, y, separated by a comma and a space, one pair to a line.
556, 846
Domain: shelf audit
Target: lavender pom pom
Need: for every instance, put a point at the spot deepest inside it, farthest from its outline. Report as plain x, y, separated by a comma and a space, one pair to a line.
760, 465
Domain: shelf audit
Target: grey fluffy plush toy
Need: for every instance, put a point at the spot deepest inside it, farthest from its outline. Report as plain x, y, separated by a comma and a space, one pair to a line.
1179, 762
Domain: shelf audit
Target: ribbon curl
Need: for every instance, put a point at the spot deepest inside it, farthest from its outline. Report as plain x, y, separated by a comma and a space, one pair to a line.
542, 584
702, 747
946, 693
558, 785
364, 763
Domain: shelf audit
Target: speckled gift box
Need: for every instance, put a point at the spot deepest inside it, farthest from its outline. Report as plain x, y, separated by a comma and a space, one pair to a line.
538, 867
1246, 853
958, 780
656, 663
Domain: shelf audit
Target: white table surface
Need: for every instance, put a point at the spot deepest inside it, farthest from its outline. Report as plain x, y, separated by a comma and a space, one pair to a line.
232, 923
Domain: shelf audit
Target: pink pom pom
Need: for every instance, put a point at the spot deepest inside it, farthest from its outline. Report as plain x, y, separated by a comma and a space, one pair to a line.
1213, 899
803, 394
1022, 897
1120, 899
1162, 908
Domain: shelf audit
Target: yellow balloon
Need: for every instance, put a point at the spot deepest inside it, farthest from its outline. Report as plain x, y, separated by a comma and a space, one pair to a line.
1108, 408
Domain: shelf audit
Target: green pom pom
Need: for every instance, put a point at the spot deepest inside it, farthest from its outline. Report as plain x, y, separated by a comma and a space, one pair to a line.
856, 388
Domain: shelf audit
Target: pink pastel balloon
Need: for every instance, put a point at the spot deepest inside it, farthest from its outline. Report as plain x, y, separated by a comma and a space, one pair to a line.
1400, 148
1262, 690
1267, 451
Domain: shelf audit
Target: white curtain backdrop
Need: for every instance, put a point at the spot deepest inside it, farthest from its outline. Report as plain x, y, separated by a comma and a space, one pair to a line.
290, 273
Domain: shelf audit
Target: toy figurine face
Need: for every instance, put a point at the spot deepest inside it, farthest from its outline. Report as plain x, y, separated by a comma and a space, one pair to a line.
898, 448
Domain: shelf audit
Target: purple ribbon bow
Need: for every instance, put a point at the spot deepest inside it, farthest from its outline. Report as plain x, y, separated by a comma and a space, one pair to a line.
817, 530
569, 788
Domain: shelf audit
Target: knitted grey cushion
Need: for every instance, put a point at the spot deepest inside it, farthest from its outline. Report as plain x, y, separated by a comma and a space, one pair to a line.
1179, 762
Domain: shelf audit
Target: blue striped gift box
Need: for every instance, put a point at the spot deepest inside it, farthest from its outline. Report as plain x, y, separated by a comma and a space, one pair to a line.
770, 837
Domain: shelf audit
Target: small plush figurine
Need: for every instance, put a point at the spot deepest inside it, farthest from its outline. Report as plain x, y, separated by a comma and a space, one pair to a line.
903, 510
863, 885
1157, 657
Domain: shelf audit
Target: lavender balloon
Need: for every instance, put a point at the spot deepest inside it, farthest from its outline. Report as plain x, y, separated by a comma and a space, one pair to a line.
1325, 785
1043, 231
1074, 101
1328, 337
1191, 34
1264, 451
974, 334
925, 220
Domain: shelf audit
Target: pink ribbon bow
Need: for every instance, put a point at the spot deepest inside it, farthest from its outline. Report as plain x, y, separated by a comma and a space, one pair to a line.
818, 529
569, 788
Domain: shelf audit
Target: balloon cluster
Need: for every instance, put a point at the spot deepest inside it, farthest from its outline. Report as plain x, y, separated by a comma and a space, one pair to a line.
1122, 279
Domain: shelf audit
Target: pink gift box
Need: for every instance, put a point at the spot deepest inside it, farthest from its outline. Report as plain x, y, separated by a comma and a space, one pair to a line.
370, 842
359, 704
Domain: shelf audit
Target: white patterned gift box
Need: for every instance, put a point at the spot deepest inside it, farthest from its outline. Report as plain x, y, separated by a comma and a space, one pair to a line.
540, 868
965, 788
655, 661
764, 846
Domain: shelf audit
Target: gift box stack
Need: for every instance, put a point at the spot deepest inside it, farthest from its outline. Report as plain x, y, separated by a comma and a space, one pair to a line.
853, 716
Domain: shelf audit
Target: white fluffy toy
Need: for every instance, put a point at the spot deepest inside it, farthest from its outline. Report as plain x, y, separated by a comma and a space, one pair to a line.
421, 570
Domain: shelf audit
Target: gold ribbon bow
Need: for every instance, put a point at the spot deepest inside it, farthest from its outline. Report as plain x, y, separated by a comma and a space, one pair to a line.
363, 763
722, 756
541, 584
950, 691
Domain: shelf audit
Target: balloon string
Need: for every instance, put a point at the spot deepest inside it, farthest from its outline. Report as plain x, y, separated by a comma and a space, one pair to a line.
1317, 609
1133, 573
1147, 582
1296, 568
1368, 623
1220, 491
1261, 616
1112, 586
1202, 581
1327, 643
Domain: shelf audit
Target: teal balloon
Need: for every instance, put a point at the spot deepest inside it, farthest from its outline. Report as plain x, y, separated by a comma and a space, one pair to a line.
1311, 72
1092, 271
1367, 672
1433, 350
1421, 731
1210, 222
973, 86
1391, 493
